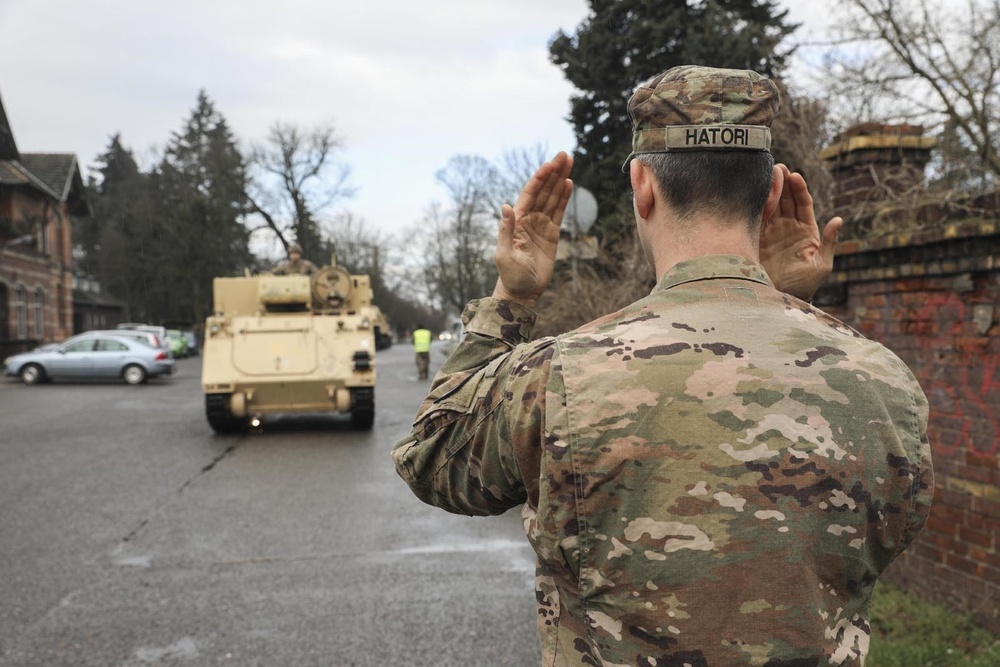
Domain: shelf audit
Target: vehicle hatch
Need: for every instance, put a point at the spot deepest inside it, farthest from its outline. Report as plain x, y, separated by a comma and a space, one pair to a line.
266, 349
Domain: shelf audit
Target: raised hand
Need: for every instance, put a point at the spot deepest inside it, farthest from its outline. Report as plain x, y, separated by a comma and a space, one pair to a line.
529, 233
793, 252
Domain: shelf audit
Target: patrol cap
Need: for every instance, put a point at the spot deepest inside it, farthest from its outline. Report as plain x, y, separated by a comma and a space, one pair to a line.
691, 108
295, 247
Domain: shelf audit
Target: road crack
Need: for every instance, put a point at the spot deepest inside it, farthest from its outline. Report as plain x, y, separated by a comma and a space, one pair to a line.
204, 470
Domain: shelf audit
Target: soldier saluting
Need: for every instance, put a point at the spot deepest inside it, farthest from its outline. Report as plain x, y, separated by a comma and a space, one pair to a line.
716, 474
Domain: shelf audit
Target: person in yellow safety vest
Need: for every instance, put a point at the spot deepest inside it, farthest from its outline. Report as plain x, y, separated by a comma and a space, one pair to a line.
422, 346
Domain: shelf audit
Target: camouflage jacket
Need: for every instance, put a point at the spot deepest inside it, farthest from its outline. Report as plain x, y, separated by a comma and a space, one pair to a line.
302, 267
714, 475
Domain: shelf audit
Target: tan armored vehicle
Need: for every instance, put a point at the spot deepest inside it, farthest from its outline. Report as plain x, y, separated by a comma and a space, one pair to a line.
287, 344
383, 332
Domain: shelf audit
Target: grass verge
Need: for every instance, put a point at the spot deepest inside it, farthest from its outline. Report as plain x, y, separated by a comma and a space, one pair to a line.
907, 632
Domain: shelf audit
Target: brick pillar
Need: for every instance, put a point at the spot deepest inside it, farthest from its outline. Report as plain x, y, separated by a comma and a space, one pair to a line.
873, 162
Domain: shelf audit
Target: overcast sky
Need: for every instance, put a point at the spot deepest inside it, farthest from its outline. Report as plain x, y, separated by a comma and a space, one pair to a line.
407, 84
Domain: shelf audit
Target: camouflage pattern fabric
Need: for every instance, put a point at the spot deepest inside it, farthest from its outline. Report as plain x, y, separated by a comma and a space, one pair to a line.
423, 364
691, 95
702, 108
301, 267
715, 475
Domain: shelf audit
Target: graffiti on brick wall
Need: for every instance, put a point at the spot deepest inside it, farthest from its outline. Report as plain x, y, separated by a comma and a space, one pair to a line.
960, 377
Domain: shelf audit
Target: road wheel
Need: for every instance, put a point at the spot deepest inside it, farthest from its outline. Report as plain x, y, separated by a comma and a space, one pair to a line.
32, 374
362, 408
134, 374
220, 418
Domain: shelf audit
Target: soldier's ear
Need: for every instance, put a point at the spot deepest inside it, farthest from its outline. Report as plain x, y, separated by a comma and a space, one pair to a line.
774, 196
643, 188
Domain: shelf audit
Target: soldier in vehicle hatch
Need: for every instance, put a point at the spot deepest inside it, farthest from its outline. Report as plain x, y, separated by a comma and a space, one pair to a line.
295, 264
716, 474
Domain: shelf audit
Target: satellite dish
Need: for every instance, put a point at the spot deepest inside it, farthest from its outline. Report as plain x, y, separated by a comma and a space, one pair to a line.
581, 212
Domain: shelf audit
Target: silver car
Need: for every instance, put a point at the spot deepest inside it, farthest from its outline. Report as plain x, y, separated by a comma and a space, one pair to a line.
147, 337
89, 357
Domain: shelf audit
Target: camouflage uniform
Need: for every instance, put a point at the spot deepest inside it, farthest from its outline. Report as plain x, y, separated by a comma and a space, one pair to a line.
301, 267
714, 475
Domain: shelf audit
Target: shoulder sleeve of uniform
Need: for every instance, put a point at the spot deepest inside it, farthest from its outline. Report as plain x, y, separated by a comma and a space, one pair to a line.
503, 320
492, 327
484, 409
922, 470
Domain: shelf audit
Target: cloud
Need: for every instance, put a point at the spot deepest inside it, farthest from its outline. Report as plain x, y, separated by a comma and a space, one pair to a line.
407, 85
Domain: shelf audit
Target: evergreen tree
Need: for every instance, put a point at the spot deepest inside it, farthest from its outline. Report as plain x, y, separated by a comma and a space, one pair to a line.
624, 42
198, 227
111, 241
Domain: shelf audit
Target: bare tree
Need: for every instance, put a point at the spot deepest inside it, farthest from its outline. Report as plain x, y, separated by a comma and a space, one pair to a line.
359, 247
596, 288
457, 256
801, 130
514, 167
926, 62
460, 234
297, 178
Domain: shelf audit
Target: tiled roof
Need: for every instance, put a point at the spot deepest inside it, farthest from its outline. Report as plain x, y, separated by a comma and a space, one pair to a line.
56, 170
18, 174
11, 175
8, 148
54, 174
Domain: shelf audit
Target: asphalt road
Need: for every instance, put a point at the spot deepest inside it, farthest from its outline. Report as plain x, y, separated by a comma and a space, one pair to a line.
130, 535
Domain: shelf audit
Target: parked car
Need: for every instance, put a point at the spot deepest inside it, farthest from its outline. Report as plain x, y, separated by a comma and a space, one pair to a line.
147, 337
192, 341
158, 331
177, 342
91, 356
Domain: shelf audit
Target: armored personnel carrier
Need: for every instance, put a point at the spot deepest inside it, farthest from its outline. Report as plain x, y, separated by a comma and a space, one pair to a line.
383, 332
289, 344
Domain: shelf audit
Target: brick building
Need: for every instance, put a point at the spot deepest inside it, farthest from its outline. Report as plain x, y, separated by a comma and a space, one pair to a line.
40, 194
930, 293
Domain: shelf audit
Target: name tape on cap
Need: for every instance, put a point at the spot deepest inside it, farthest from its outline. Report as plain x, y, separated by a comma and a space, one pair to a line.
702, 137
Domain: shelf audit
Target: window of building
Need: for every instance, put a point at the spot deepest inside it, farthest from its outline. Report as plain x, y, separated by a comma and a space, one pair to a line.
21, 312
60, 317
39, 314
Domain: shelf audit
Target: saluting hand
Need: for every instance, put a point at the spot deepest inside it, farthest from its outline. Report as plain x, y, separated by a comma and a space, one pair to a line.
529, 233
792, 251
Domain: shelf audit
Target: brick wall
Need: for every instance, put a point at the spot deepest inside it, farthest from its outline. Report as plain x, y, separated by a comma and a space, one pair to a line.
934, 299
44, 269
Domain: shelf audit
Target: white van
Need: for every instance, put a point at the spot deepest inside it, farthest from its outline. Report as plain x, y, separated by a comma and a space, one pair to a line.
158, 331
